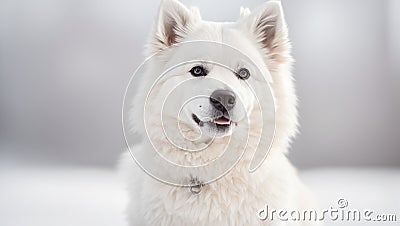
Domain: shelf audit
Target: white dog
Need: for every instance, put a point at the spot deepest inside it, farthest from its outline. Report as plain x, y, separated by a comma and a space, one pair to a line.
226, 103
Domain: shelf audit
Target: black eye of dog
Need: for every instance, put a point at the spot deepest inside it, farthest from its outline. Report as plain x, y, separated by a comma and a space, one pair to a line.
198, 71
243, 73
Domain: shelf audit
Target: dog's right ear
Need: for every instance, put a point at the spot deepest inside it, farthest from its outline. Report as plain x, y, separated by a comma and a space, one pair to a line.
173, 22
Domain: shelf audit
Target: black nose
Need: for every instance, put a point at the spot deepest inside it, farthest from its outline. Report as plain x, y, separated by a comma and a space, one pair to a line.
223, 100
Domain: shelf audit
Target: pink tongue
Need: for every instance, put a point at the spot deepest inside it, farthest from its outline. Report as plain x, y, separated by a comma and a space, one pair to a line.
222, 121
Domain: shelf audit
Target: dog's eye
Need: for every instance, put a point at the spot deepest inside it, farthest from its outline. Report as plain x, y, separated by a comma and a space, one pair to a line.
198, 71
243, 73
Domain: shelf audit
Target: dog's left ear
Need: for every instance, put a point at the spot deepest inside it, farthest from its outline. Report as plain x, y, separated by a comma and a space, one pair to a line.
173, 22
267, 27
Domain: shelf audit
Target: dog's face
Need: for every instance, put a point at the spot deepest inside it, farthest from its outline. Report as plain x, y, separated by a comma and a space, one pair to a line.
210, 93
212, 98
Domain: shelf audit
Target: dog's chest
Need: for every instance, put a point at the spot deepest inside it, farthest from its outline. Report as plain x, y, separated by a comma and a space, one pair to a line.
233, 201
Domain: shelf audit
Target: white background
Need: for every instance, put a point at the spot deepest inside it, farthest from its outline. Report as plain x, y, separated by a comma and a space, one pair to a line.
64, 66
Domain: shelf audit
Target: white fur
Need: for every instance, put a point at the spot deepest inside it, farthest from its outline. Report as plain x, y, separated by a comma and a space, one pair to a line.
236, 198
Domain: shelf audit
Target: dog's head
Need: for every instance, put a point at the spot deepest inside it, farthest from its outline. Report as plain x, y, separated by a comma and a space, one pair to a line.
215, 98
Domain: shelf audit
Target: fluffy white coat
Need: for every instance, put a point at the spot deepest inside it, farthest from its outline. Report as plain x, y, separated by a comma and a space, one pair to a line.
235, 198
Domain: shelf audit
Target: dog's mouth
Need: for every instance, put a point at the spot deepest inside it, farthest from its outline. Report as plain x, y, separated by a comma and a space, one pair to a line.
221, 123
